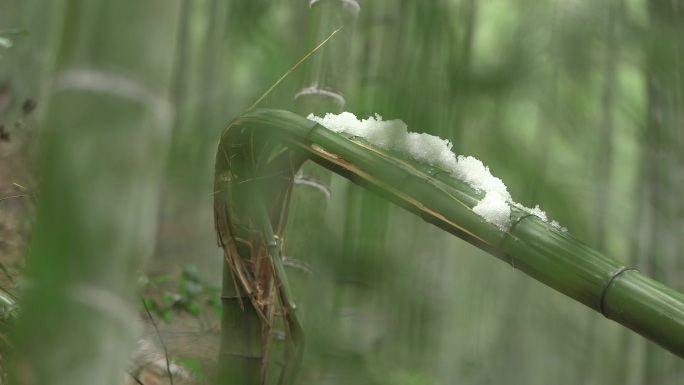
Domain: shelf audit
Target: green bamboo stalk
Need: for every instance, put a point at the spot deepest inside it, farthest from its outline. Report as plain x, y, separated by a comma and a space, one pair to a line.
245, 277
240, 355
249, 230
548, 255
103, 152
322, 90
247, 293
324, 76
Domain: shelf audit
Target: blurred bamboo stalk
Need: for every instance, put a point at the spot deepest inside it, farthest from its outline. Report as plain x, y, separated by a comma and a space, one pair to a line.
659, 222
325, 74
103, 152
322, 91
323, 86
605, 156
36, 51
362, 265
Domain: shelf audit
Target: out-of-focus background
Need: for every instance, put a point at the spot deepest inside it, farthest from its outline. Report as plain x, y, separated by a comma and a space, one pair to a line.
577, 105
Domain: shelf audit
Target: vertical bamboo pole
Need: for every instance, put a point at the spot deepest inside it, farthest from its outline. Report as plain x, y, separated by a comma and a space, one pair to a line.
196, 79
103, 151
362, 263
659, 222
324, 75
240, 355
322, 91
461, 60
604, 165
246, 350
200, 87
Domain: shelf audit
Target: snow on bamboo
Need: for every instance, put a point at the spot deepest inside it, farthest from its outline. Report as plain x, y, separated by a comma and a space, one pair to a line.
494, 207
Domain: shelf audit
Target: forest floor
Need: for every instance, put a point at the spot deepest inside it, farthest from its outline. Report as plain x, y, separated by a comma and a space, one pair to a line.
16, 215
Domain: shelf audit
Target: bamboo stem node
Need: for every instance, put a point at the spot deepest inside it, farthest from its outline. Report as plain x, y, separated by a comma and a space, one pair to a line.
610, 280
352, 3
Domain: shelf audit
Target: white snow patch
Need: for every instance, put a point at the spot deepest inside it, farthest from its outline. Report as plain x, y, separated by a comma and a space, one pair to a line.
435, 151
534, 211
493, 209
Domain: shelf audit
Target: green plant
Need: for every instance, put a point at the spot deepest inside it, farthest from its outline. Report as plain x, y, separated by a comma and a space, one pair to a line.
165, 295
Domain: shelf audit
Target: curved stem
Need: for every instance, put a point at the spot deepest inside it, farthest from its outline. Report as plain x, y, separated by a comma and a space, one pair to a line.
548, 255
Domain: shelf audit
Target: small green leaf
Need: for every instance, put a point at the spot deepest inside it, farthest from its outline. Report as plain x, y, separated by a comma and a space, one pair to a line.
168, 316
160, 279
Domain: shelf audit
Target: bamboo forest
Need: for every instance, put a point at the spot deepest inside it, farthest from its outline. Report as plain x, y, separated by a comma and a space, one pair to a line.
381, 192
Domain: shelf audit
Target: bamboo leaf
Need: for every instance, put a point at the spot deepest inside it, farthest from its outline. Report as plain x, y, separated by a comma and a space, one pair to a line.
268, 91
